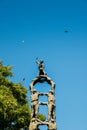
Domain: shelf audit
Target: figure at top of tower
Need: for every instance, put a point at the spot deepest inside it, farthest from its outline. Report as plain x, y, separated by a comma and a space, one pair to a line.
40, 67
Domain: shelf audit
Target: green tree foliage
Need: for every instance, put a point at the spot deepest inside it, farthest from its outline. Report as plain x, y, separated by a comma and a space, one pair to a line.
14, 107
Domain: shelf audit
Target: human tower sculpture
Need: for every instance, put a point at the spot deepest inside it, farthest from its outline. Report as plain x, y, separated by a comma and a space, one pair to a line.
51, 120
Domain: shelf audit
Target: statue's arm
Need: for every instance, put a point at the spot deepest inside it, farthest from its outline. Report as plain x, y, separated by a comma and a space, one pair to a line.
37, 61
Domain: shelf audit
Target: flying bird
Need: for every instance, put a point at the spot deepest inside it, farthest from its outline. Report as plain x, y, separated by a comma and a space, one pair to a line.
23, 79
66, 31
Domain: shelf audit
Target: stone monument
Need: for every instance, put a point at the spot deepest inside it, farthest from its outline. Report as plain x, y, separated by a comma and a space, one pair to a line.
51, 121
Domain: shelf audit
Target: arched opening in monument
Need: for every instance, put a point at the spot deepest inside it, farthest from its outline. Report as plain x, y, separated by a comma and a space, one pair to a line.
42, 87
43, 98
43, 109
43, 127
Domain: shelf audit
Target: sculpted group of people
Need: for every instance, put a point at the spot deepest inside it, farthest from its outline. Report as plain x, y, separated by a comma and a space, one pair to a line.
51, 109
34, 125
35, 122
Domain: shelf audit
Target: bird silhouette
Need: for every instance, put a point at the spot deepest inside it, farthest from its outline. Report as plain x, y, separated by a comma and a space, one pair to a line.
66, 31
23, 79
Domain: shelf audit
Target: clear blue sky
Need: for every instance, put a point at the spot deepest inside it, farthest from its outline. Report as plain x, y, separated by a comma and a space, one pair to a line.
36, 28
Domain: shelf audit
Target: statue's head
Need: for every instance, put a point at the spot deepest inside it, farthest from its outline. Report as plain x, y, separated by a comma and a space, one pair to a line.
41, 61
52, 120
51, 91
34, 90
33, 120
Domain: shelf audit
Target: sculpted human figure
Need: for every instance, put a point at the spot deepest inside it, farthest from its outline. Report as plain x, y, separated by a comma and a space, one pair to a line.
52, 125
34, 81
31, 86
51, 96
51, 106
53, 85
34, 124
40, 66
34, 103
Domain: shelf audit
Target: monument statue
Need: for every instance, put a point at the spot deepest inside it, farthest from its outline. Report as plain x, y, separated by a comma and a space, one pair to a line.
51, 105
35, 104
40, 67
52, 125
34, 123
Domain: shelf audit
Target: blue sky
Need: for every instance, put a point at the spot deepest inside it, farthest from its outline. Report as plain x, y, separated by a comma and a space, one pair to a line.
30, 29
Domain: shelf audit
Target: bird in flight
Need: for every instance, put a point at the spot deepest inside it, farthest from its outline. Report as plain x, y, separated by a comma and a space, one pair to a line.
66, 31
23, 79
